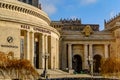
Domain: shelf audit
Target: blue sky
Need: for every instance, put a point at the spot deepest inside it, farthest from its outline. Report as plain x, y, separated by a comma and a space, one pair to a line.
89, 11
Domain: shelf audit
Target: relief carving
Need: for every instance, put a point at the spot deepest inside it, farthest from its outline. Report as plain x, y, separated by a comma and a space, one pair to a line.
87, 30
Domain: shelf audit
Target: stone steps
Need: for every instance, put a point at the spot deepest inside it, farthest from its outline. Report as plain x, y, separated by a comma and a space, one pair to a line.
50, 71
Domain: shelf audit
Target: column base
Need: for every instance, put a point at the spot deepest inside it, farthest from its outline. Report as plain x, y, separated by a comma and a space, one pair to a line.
86, 68
71, 71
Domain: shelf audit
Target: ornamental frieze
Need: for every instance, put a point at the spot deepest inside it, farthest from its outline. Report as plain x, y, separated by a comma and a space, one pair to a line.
27, 27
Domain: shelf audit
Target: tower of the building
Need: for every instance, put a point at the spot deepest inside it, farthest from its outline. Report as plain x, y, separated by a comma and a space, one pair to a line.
31, 2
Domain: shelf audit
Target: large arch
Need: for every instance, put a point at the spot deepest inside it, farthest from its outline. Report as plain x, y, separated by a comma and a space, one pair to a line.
97, 63
77, 63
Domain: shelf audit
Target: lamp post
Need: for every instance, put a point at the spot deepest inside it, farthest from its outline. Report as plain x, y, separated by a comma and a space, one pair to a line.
90, 61
44, 74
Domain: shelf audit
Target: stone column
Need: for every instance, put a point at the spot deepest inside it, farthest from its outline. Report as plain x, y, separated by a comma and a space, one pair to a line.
56, 57
64, 56
106, 51
40, 51
46, 43
43, 50
91, 57
28, 45
90, 50
57, 54
46, 49
70, 58
32, 42
85, 56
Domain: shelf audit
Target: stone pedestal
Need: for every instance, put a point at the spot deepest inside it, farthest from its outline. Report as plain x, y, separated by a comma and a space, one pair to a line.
71, 71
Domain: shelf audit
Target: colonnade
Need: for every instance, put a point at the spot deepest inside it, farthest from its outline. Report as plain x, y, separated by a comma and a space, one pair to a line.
44, 44
88, 52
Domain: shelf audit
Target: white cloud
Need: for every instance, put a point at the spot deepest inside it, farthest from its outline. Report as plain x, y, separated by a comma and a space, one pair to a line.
112, 14
49, 6
87, 2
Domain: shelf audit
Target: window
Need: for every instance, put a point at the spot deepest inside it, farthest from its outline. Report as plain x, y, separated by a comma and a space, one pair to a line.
22, 48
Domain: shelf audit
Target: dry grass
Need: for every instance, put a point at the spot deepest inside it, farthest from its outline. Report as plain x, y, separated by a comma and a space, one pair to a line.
111, 66
21, 68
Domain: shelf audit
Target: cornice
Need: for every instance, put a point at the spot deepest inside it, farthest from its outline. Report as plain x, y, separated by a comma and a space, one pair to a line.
19, 12
24, 8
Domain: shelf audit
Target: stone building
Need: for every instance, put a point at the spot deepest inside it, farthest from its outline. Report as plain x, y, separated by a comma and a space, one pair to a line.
26, 31
82, 46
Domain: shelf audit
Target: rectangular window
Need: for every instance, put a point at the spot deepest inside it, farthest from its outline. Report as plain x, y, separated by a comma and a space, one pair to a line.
22, 48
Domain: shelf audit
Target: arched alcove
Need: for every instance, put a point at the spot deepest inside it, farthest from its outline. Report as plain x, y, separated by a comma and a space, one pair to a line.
77, 63
97, 63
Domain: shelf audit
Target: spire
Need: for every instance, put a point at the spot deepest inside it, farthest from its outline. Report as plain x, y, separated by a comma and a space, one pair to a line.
104, 21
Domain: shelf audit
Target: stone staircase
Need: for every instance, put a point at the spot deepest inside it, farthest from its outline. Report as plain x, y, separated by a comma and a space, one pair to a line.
62, 74
51, 71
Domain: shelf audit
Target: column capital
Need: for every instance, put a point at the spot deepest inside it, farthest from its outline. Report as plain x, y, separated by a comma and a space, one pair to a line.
90, 44
69, 44
28, 31
106, 53
85, 44
106, 44
42, 35
31, 32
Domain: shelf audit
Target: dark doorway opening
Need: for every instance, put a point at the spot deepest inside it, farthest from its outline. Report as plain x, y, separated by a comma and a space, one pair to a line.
97, 63
36, 55
77, 63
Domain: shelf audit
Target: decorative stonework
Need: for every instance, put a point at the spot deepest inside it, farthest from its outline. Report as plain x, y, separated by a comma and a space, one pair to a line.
26, 9
87, 31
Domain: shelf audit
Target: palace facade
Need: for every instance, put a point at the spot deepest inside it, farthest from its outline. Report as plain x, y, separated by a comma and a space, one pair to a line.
26, 31
82, 46
71, 45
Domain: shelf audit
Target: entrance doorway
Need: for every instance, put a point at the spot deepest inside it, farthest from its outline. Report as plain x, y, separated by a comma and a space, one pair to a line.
77, 63
97, 63
36, 55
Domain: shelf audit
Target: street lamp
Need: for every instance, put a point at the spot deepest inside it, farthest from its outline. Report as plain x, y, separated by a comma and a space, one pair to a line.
90, 61
44, 74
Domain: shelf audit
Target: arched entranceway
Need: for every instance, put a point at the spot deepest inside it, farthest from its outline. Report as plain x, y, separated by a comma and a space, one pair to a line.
97, 63
77, 63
